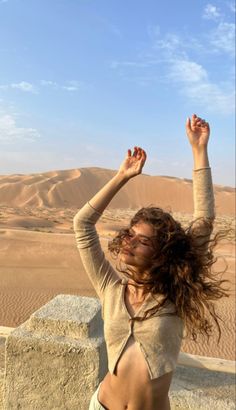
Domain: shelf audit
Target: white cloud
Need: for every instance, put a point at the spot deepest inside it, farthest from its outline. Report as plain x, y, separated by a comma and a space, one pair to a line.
191, 78
171, 43
69, 88
211, 12
10, 132
49, 83
72, 85
27, 87
22, 86
180, 59
223, 38
213, 97
192, 81
187, 71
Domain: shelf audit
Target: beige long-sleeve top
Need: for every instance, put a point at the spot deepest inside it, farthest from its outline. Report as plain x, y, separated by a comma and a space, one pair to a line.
160, 336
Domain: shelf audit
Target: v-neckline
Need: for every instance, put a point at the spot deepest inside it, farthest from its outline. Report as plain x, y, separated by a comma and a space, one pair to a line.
125, 282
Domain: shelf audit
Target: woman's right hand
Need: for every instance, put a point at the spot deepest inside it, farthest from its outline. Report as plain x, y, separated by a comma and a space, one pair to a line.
133, 163
130, 167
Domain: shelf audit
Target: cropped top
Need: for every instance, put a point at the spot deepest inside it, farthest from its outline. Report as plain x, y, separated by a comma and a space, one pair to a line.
158, 336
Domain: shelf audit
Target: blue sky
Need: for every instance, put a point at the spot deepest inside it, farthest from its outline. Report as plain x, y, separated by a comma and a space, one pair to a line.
81, 81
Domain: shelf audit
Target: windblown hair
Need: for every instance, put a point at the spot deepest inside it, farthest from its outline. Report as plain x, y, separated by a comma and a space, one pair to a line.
180, 270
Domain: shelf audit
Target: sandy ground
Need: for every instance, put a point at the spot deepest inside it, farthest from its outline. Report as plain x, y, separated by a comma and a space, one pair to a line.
38, 255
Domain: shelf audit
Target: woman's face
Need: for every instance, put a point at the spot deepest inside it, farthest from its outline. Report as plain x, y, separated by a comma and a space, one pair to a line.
137, 247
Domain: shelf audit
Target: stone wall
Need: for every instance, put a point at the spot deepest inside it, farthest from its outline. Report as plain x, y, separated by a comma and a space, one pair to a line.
57, 358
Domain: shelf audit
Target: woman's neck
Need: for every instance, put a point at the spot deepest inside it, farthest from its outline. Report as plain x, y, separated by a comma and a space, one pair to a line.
136, 290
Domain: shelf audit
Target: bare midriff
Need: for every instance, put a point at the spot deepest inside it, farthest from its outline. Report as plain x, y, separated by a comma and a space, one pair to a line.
130, 387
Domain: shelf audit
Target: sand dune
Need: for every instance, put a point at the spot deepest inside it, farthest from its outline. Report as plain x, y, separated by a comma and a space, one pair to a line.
72, 188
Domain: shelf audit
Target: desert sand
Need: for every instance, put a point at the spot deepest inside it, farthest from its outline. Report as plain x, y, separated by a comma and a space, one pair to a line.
38, 255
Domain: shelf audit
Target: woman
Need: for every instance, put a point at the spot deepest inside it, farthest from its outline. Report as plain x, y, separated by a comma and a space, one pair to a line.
166, 284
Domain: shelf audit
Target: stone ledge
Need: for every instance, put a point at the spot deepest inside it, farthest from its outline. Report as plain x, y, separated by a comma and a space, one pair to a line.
69, 316
200, 389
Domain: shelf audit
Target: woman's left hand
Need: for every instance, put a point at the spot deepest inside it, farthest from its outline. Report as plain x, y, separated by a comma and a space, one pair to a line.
198, 131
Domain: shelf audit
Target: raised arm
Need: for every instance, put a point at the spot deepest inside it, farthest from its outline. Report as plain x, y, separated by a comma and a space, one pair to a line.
96, 265
198, 132
130, 167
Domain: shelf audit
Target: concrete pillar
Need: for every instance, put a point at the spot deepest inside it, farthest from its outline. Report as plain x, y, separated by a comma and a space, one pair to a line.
56, 359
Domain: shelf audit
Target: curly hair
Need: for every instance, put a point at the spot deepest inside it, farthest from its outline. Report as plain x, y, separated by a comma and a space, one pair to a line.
181, 269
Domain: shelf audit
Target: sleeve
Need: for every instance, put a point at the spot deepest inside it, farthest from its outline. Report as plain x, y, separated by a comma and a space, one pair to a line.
204, 209
98, 268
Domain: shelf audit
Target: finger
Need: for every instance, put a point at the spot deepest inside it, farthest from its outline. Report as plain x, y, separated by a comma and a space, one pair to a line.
205, 123
139, 153
199, 119
135, 152
144, 156
207, 126
201, 123
129, 153
198, 124
193, 120
188, 124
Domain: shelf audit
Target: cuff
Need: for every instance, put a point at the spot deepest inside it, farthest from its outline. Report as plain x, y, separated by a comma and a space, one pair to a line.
99, 213
199, 169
